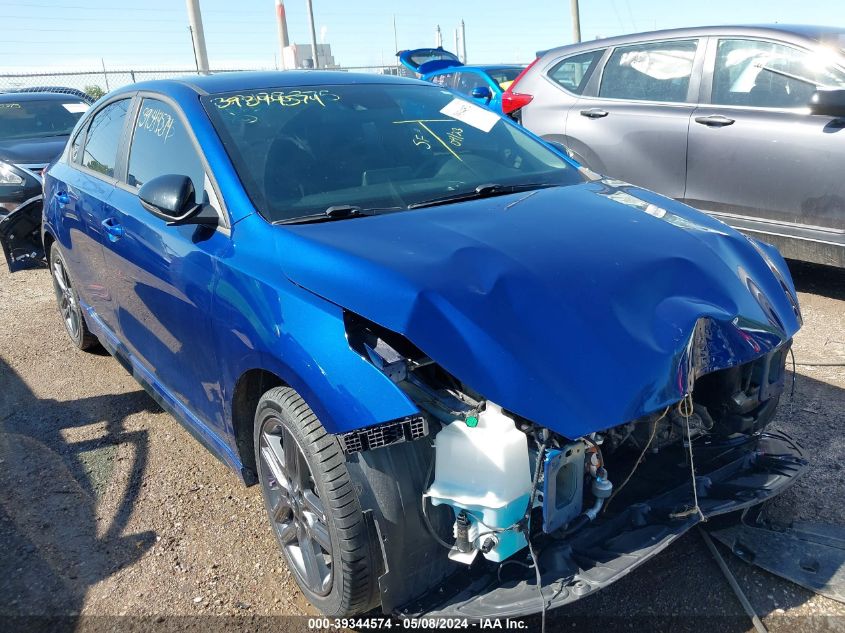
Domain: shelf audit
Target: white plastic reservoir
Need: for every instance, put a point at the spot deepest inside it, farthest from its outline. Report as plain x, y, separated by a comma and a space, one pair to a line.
484, 470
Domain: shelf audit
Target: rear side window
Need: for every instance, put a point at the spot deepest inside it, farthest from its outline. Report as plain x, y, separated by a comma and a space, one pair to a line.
573, 73
656, 71
161, 145
467, 81
103, 138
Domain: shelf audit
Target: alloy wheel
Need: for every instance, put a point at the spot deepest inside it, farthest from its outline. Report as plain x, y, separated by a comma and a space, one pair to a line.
66, 298
296, 510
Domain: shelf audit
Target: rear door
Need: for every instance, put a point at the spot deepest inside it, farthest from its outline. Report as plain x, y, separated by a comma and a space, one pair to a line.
77, 192
757, 157
633, 124
167, 273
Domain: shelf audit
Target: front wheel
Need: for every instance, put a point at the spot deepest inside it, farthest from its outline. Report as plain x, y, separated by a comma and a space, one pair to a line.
313, 507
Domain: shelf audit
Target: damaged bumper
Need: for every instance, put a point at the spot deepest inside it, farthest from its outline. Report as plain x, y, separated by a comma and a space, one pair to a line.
608, 549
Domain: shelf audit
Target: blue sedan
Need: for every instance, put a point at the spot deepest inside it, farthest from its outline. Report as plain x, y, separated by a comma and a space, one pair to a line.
436, 343
485, 84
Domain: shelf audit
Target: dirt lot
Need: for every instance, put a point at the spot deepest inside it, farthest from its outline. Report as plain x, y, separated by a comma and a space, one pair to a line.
108, 507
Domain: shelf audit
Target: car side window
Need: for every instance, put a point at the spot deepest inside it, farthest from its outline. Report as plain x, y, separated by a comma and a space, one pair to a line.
76, 145
655, 71
573, 73
161, 145
445, 79
103, 139
769, 75
466, 81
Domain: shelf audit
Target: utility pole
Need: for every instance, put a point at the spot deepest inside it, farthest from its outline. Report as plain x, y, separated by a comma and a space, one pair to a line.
576, 20
395, 42
438, 37
457, 44
282, 25
195, 21
463, 41
314, 54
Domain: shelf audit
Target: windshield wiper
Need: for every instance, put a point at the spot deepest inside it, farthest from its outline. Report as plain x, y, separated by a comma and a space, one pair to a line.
487, 190
334, 212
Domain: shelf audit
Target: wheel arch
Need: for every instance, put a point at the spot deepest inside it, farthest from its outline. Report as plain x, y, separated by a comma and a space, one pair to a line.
250, 386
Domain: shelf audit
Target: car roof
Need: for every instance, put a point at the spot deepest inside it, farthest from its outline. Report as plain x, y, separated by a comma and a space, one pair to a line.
258, 80
20, 97
798, 31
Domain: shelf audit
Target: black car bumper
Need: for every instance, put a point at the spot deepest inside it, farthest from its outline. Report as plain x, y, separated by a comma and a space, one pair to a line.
607, 550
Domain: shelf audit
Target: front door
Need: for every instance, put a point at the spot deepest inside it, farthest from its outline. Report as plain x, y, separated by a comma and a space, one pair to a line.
635, 128
756, 153
166, 274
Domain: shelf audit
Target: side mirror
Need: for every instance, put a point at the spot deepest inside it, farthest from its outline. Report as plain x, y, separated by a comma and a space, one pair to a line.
172, 198
828, 103
482, 92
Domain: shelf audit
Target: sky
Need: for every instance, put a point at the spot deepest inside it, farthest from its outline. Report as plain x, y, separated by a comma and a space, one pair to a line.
51, 35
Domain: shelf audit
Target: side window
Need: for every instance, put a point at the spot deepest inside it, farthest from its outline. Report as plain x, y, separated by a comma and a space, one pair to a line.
573, 73
445, 79
466, 81
769, 75
104, 132
656, 71
76, 146
161, 145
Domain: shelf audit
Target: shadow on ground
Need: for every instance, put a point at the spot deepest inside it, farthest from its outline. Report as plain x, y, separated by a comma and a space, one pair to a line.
55, 544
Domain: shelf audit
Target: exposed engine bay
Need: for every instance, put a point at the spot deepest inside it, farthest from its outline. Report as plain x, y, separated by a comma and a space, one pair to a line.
504, 502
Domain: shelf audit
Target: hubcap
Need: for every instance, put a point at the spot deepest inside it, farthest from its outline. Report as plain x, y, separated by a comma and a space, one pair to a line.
296, 510
66, 298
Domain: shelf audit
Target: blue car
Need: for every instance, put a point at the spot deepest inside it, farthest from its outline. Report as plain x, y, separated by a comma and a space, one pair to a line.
436, 343
484, 84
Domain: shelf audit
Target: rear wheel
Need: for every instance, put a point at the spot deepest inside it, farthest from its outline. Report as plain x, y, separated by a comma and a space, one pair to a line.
69, 308
313, 507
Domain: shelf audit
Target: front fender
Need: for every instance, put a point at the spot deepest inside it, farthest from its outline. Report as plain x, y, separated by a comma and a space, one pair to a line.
301, 338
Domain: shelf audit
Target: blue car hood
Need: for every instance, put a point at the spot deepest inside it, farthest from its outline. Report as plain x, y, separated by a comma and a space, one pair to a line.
579, 307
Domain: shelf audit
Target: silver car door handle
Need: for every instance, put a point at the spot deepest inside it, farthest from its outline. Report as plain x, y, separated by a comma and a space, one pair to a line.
714, 120
594, 113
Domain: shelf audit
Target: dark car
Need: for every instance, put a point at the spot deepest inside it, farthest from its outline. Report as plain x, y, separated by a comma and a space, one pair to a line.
441, 347
483, 83
723, 118
34, 129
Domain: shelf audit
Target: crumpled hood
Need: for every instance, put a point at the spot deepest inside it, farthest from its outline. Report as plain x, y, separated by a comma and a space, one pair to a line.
32, 151
579, 308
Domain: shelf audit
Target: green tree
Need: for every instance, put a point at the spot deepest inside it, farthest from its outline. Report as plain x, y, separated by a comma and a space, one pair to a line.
94, 91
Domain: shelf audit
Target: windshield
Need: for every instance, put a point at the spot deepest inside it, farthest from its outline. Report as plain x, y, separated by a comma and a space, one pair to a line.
301, 151
39, 119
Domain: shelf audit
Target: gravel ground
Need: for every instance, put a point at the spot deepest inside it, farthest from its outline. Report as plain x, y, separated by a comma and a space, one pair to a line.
108, 507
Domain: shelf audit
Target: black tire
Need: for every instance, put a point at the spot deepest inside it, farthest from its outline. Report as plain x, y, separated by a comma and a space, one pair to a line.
283, 417
68, 302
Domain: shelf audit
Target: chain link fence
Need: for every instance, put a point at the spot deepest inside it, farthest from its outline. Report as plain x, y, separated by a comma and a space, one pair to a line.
98, 82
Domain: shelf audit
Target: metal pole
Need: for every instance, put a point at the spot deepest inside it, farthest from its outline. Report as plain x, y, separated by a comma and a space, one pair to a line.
105, 75
395, 39
282, 24
457, 44
438, 37
576, 20
463, 41
314, 54
194, 48
195, 20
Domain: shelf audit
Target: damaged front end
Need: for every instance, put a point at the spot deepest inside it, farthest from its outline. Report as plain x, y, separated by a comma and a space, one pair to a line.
472, 512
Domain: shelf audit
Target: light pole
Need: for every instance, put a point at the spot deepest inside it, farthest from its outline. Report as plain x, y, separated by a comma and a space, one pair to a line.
576, 20
314, 54
198, 36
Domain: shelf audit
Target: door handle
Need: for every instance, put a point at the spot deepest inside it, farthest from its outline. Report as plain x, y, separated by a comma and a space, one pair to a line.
714, 120
62, 198
594, 113
113, 229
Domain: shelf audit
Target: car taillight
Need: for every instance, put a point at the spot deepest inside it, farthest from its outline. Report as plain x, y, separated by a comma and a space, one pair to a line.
513, 101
